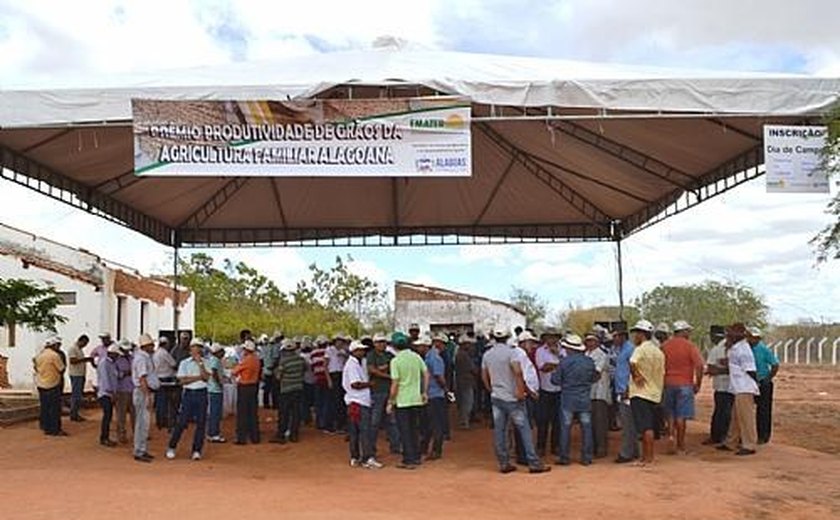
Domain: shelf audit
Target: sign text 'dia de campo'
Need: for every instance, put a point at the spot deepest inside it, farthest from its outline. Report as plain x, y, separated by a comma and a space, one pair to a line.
388, 137
793, 159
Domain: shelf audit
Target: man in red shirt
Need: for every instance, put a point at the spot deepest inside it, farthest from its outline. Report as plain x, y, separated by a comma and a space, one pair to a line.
683, 376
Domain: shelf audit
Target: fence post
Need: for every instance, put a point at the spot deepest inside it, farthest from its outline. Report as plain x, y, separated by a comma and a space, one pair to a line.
775, 347
820, 351
808, 350
834, 351
787, 344
796, 350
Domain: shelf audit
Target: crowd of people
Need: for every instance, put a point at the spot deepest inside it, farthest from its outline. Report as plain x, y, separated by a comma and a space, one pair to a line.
532, 390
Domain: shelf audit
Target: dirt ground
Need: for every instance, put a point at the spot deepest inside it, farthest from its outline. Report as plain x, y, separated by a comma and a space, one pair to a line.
793, 477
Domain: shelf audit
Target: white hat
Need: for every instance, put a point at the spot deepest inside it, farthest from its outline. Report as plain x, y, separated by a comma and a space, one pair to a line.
466, 339
682, 325
53, 341
145, 340
113, 348
163, 339
125, 345
424, 339
104, 334
197, 342
500, 333
440, 336
215, 348
643, 325
573, 341
526, 335
357, 345
755, 332
662, 327
414, 326
380, 337
263, 338
249, 346
289, 344
591, 335
321, 340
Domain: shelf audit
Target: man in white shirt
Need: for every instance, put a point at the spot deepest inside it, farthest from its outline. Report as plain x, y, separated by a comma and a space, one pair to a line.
525, 345
165, 398
356, 384
601, 394
743, 384
193, 377
146, 383
717, 367
548, 407
337, 355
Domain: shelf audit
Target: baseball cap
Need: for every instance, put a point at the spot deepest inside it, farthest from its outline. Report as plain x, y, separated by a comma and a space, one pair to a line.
399, 339
357, 345
681, 325
249, 346
662, 327
215, 348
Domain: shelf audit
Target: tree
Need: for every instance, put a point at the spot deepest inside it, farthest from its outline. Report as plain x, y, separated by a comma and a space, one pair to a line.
580, 320
532, 304
827, 241
25, 303
702, 305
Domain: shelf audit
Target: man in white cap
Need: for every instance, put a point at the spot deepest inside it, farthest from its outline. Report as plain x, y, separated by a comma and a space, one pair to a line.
248, 374
601, 395
193, 376
101, 350
49, 378
766, 368
502, 376
743, 383
357, 385
215, 394
289, 382
336, 355
717, 367
661, 333
575, 374
106, 390
647, 369
683, 377
145, 381
379, 369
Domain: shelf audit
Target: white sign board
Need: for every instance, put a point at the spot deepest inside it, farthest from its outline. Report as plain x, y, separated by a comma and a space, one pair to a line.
793, 159
416, 137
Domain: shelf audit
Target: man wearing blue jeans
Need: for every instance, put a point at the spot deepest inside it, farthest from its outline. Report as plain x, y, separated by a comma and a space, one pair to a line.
379, 369
629, 439
193, 376
575, 375
215, 394
502, 377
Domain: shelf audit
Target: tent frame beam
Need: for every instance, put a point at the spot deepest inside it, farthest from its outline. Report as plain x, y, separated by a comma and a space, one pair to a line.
214, 203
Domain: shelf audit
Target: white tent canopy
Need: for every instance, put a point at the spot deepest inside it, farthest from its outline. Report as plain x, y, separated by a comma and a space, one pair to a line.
561, 150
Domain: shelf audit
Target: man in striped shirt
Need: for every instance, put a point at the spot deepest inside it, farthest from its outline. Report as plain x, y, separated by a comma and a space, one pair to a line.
318, 364
289, 381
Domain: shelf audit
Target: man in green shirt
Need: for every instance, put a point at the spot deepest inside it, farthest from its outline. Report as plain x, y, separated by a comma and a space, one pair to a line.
409, 393
289, 377
379, 369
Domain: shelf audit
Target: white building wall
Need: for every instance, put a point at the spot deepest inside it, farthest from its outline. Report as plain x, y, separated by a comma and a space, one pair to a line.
95, 310
483, 314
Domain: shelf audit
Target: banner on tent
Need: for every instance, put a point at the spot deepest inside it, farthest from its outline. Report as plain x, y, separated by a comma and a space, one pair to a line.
793, 159
425, 137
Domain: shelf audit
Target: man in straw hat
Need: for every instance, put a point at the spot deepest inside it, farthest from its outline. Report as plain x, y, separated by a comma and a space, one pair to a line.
466, 373
526, 344
575, 374
123, 404
193, 376
49, 378
106, 389
743, 383
601, 394
548, 408
647, 370
289, 381
144, 378
379, 370
247, 373
409, 394
502, 376
683, 377
629, 439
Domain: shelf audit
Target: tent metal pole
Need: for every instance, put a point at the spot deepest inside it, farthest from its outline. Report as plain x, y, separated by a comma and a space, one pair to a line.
175, 294
620, 280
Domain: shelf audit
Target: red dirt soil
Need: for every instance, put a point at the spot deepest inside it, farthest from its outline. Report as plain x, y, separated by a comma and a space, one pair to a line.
73, 477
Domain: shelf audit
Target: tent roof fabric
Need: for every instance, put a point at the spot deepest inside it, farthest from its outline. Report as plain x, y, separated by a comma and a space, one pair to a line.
561, 150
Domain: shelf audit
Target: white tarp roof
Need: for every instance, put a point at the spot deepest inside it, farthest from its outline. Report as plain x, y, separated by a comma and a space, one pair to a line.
601, 144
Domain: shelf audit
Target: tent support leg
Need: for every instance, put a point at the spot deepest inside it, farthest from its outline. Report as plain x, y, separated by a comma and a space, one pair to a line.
175, 294
620, 280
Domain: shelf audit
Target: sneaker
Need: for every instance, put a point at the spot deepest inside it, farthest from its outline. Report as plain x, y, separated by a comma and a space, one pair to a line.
372, 463
142, 458
539, 469
108, 443
170, 454
354, 463
510, 468
196, 455
217, 439
724, 447
744, 451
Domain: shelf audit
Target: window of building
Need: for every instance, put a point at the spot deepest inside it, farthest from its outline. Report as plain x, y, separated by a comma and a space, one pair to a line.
121, 317
66, 297
144, 317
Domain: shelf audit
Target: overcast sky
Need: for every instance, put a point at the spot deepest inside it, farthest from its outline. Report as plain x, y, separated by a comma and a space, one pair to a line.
59, 43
